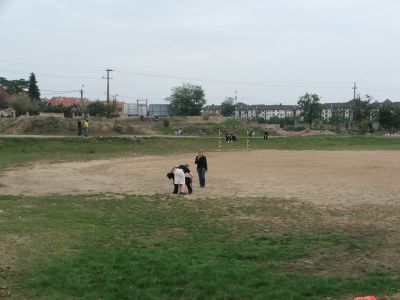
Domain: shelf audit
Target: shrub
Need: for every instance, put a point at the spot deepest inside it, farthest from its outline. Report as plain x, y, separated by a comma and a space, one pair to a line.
21, 103
166, 122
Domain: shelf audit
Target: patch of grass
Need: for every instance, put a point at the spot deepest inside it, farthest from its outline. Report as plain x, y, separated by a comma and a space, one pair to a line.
17, 151
156, 247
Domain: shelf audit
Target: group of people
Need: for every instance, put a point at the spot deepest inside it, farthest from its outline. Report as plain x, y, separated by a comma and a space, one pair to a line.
83, 128
230, 138
182, 176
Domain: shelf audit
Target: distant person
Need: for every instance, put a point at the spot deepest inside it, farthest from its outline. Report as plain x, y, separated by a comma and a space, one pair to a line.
79, 125
265, 134
201, 162
86, 127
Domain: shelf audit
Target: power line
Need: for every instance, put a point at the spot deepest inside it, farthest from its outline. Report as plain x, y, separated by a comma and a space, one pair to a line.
50, 67
49, 75
223, 81
217, 81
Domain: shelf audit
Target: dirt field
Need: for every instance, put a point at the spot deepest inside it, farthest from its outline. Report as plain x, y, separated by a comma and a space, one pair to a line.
322, 177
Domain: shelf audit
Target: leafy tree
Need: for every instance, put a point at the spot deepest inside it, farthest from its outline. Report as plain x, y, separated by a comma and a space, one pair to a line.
187, 100
21, 103
337, 118
228, 107
33, 89
363, 113
14, 87
389, 117
310, 107
100, 109
3, 102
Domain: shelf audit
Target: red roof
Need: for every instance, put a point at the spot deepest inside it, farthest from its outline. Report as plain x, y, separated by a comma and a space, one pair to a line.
71, 101
67, 101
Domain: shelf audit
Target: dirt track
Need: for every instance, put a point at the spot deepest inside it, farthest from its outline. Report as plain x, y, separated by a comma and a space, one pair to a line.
322, 177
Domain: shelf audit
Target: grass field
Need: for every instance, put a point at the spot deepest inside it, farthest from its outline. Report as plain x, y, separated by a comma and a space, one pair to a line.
119, 247
116, 246
18, 151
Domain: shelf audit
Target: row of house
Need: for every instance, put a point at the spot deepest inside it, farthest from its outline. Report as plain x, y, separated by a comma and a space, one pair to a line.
244, 111
74, 102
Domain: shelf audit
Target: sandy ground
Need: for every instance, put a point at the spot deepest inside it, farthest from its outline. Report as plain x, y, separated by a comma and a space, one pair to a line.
322, 177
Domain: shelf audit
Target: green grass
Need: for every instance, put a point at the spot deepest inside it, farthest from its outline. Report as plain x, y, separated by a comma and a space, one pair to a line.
105, 247
18, 151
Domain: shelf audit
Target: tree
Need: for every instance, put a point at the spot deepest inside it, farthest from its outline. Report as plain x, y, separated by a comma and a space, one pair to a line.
310, 107
14, 87
21, 103
337, 118
228, 107
187, 100
3, 102
33, 89
100, 109
389, 117
363, 113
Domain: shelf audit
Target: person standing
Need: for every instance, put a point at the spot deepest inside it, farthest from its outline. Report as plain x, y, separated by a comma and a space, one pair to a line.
86, 127
79, 127
265, 134
202, 168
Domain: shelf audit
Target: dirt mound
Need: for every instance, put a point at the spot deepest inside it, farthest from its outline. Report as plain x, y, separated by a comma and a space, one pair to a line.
66, 126
306, 132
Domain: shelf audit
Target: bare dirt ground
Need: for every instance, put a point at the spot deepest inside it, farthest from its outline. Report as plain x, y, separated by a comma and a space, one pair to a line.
321, 177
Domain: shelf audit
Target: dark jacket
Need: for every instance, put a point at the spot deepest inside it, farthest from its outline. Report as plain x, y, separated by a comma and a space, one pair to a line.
201, 162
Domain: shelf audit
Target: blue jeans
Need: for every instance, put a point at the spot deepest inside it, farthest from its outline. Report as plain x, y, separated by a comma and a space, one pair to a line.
202, 176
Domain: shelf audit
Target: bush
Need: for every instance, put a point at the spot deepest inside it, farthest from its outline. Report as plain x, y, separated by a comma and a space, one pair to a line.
45, 125
294, 128
165, 122
118, 128
3, 103
100, 109
21, 103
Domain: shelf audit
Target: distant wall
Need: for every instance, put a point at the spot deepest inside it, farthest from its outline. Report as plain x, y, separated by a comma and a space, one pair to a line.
51, 114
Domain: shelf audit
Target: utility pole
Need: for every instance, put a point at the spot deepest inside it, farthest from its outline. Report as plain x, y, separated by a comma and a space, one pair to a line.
354, 90
235, 97
108, 85
81, 91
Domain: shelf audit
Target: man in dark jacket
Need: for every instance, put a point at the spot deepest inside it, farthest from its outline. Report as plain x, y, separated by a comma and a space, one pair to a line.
79, 125
202, 168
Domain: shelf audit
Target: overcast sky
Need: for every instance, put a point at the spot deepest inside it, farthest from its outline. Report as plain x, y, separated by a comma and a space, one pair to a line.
269, 51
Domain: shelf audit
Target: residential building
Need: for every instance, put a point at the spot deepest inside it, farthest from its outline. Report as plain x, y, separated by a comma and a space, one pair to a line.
66, 102
212, 109
244, 111
76, 102
345, 110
